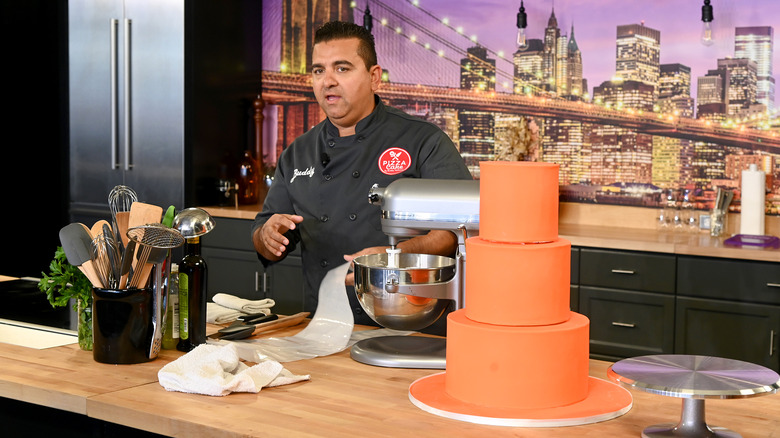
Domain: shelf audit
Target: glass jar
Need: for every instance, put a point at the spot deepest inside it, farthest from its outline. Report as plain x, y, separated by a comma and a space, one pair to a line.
248, 180
84, 329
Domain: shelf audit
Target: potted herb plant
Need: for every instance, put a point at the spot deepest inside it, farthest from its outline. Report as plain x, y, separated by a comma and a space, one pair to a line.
65, 282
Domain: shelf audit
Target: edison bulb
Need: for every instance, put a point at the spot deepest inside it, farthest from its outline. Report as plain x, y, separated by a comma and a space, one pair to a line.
522, 41
706, 33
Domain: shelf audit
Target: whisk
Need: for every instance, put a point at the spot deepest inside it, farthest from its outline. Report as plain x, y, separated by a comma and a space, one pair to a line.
120, 198
105, 258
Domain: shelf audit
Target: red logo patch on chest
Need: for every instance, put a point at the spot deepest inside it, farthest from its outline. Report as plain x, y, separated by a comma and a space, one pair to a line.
394, 161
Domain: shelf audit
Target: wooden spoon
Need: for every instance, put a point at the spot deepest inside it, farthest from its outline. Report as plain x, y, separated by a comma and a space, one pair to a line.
283, 321
122, 220
97, 228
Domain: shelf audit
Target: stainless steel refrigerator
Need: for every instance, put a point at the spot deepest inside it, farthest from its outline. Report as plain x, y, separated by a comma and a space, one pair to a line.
156, 91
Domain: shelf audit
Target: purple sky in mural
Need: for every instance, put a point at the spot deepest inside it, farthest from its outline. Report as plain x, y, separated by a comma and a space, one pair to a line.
595, 23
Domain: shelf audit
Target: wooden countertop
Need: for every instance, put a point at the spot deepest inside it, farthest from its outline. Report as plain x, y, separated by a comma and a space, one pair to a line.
342, 398
237, 212
698, 244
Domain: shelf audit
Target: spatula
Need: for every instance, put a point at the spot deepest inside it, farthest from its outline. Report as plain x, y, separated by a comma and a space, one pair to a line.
142, 214
240, 330
76, 241
115, 257
127, 263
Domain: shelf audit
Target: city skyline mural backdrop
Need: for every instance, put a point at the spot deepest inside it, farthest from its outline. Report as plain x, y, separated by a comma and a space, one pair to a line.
585, 92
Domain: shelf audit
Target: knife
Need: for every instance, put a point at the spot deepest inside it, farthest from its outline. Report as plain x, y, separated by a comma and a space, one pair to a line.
257, 318
241, 330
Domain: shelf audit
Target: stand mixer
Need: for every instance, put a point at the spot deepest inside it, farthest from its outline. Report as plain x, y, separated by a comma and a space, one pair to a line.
404, 291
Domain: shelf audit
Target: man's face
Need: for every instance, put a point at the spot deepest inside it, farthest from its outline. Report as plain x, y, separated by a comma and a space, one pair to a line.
343, 86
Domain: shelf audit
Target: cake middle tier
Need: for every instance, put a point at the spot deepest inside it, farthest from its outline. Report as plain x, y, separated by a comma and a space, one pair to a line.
517, 284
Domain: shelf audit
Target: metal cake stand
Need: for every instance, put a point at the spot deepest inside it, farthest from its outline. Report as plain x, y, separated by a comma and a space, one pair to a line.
694, 379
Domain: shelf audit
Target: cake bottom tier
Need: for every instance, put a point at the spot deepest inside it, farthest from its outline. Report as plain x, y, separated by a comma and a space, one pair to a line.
517, 367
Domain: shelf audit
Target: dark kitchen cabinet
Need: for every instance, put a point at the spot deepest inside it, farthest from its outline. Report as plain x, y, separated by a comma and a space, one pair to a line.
742, 331
235, 269
629, 299
628, 270
574, 279
285, 279
649, 303
628, 323
729, 308
727, 279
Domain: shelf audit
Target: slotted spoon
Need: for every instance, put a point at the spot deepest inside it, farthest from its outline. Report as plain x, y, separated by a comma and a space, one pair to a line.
148, 237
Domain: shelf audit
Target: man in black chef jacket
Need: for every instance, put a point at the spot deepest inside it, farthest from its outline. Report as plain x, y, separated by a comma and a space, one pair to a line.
319, 196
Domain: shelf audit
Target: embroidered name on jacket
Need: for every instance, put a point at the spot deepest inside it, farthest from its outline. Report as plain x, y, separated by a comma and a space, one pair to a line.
394, 161
308, 172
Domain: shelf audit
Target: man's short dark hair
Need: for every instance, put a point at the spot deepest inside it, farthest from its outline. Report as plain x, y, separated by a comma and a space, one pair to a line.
341, 30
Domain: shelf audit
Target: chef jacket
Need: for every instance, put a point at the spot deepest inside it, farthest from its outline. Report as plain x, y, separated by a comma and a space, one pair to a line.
326, 179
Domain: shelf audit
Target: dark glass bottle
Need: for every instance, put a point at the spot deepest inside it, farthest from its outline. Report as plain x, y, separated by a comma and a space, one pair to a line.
248, 180
192, 297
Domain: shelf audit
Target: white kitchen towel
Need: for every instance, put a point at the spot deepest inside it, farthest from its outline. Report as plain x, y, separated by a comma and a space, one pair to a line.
243, 304
216, 370
216, 314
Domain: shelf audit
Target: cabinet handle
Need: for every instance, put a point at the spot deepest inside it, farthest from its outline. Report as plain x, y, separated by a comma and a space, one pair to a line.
771, 342
114, 90
622, 271
261, 287
773, 285
128, 95
623, 324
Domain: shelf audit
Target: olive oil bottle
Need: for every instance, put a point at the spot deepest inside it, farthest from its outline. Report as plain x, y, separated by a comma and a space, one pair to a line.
192, 297
171, 334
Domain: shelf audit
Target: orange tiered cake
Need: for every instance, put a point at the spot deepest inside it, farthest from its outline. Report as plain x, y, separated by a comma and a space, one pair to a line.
516, 354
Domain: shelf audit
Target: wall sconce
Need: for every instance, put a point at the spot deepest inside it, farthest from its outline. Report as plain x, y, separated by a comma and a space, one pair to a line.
706, 19
522, 23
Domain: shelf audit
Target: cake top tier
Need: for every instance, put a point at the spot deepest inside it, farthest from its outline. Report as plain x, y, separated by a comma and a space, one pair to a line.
518, 201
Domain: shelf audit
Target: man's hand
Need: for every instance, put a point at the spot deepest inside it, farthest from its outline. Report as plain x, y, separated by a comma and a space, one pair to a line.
269, 239
436, 242
350, 279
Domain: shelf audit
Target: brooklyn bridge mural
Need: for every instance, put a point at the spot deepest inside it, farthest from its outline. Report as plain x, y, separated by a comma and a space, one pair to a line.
637, 102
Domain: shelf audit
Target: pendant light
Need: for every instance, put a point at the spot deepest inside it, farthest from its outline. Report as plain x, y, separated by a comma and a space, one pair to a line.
522, 23
706, 19
368, 20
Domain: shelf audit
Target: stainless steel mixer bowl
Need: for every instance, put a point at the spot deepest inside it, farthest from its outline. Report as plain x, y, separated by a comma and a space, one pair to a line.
375, 281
